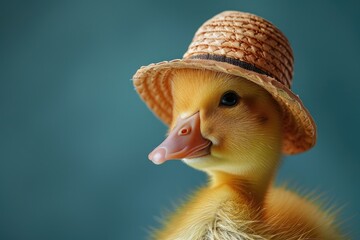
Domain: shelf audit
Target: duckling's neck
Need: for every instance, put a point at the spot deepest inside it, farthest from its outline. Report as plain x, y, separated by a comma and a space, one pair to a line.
251, 185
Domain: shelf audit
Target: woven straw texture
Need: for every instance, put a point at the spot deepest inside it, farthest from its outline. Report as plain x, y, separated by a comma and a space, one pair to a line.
246, 37
243, 37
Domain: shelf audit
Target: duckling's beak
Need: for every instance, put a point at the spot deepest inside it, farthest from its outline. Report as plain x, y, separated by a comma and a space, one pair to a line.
184, 141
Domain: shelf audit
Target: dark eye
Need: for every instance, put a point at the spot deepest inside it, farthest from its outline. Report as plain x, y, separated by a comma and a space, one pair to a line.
229, 99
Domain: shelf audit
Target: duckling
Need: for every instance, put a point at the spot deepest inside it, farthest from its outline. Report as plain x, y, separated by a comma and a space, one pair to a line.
232, 114
231, 129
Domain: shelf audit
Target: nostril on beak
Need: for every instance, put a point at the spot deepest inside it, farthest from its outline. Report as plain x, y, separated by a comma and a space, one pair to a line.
184, 131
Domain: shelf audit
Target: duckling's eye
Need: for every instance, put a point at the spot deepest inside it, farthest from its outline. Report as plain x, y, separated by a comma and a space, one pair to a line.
229, 99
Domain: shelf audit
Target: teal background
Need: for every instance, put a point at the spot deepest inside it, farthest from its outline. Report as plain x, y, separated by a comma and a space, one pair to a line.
74, 135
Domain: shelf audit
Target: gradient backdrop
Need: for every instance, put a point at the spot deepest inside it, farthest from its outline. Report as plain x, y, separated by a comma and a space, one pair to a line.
74, 135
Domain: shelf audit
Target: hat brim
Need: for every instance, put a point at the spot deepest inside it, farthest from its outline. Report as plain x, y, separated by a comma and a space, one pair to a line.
153, 83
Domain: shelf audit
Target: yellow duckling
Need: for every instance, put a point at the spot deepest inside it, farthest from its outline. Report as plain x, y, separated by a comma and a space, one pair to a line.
243, 124
232, 114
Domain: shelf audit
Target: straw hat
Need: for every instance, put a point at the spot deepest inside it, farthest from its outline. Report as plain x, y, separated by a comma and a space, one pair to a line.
244, 45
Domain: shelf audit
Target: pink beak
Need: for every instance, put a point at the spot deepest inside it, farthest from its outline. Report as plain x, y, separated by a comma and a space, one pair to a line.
184, 141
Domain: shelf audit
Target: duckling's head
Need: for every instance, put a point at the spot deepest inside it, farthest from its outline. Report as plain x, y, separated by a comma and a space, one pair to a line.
221, 123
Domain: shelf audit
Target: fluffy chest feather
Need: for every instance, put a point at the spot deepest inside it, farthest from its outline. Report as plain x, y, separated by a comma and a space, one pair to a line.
210, 215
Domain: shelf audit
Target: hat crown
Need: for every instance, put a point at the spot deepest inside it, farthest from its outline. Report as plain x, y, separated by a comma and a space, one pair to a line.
245, 38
